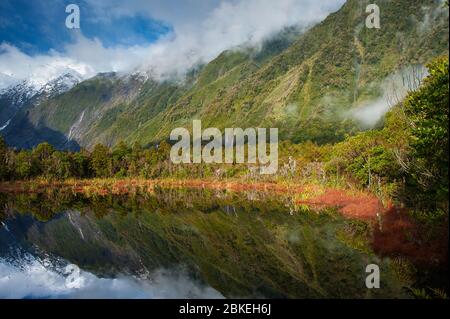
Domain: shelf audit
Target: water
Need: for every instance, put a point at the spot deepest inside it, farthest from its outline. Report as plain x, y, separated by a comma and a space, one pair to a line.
184, 244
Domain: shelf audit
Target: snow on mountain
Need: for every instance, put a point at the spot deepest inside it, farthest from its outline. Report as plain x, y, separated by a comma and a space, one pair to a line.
63, 83
29, 92
142, 75
60, 84
19, 94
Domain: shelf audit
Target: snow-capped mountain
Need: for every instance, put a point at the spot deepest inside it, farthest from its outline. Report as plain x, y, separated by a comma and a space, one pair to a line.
60, 84
19, 94
28, 92
12, 99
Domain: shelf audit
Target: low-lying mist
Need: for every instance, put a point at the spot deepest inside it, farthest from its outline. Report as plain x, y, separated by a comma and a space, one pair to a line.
394, 90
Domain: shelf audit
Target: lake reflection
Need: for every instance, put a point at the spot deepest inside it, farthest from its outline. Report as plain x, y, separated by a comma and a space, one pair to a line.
175, 243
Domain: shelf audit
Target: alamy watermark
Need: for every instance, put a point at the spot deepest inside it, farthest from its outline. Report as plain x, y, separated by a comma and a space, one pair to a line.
373, 19
73, 19
74, 278
228, 148
373, 279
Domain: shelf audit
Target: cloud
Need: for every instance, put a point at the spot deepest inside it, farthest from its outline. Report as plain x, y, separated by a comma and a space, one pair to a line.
39, 69
394, 88
30, 277
201, 30
370, 113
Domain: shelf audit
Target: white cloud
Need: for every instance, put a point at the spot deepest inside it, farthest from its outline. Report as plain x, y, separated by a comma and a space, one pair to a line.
16, 65
395, 88
31, 277
202, 29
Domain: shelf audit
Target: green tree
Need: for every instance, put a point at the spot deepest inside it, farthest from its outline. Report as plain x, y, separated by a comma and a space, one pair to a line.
120, 159
42, 158
81, 164
60, 165
100, 160
428, 109
23, 164
3, 157
135, 160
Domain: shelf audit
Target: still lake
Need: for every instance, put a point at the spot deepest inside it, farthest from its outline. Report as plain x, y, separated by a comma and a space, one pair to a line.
181, 243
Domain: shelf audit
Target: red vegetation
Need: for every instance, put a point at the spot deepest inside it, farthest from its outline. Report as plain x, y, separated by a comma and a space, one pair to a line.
351, 204
395, 233
399, 235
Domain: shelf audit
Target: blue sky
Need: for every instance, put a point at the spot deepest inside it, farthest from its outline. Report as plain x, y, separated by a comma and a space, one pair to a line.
39, 25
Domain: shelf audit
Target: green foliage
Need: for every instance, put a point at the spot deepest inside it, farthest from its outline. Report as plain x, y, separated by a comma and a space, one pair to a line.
406, 158
80, 164
42, 156
3, 156
367, 158
100, 160
23, 165
409, 155
302, 82
427, 109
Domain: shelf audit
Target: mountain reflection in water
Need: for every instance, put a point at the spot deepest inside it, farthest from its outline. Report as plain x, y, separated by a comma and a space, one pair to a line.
184, 244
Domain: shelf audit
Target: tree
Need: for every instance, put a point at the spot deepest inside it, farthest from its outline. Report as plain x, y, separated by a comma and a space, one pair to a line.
120, 159
427, 109
60, 165
3, 157
42, 158
23, 163
81, 164
136, 160
100, 160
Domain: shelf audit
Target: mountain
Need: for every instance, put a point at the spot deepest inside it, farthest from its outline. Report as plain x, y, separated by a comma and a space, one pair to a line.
58, 85
308, 84
12, 99
26, 92
15, 102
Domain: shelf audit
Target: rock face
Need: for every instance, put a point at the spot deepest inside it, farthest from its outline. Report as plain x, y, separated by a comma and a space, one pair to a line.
308, 84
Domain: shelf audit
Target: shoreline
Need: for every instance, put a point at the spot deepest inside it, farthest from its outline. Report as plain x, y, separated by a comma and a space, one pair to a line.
349, 202
390, 234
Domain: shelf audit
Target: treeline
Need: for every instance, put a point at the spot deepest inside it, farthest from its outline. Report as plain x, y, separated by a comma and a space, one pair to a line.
47, 162
44, 161
406, 159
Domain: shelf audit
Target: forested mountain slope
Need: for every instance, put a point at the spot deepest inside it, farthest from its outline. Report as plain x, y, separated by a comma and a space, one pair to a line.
306, 84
